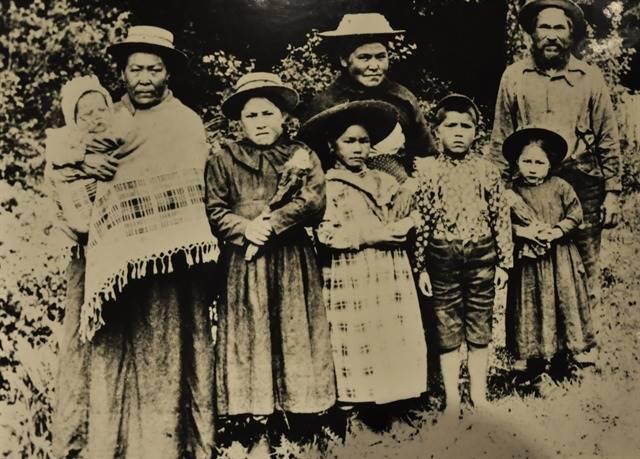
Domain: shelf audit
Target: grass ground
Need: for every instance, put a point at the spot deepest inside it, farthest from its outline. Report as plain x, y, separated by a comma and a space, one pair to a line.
594, 413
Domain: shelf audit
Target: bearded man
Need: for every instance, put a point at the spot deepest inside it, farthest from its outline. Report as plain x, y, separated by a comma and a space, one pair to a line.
553, 87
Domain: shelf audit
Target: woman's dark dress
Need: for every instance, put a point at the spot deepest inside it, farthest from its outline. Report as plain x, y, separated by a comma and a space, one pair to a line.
273, 347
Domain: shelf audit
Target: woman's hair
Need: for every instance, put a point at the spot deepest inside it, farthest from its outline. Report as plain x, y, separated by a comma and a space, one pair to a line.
343, 47
348, 45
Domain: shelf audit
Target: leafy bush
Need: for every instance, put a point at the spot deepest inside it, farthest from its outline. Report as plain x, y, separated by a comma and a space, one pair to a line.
32, 290
47, 44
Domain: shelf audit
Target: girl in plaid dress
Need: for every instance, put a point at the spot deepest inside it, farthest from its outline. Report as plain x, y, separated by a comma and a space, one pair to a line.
377, 337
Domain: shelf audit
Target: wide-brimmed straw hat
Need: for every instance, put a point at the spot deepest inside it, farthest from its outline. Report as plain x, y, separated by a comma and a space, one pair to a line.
155, 40
260, 84
531, 8
554, 145
377, 117
362, 24
458, 103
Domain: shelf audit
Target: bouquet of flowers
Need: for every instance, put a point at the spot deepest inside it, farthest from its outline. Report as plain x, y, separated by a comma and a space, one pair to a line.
292, 178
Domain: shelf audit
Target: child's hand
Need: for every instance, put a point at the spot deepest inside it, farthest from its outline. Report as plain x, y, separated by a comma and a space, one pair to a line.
551, 234
424, 283
529, 232
501, 278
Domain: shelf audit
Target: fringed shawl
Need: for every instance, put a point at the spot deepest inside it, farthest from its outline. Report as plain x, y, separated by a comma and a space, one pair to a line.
151, 210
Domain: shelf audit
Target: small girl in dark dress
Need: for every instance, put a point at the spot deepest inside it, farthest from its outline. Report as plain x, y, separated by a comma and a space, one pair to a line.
547, 290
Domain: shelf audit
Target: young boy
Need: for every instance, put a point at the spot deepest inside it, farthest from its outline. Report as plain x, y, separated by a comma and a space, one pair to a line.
463, 245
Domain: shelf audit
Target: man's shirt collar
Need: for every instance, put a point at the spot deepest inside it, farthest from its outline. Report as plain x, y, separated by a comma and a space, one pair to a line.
571, 73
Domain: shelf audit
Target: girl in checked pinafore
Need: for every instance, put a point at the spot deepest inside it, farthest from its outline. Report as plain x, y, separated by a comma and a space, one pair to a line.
377, 337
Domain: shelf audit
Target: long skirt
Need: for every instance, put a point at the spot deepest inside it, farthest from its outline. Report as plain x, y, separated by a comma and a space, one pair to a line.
71, 406
378, 341
152, 369
548, 308
273, 348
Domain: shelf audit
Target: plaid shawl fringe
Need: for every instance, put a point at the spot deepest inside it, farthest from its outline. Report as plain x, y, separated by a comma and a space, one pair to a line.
91, 315
152, 210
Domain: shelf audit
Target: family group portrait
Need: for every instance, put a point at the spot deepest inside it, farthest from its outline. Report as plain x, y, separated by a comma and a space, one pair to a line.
319, 229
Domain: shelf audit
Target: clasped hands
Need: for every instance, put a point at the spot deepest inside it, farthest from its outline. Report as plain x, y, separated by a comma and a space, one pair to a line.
539, 233
258, 231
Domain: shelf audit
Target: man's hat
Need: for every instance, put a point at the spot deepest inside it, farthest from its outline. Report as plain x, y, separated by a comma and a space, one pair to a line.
363, 24
531, 8
458, 103
377, 117
151, 39
259, 84
553, 144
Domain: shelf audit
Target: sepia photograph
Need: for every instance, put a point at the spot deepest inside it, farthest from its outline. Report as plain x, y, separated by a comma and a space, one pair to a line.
306, 229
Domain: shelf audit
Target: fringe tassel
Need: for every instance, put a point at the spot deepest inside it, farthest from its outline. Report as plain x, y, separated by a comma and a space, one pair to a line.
211, 253
169, 264
91, 313
90, 319
189, 258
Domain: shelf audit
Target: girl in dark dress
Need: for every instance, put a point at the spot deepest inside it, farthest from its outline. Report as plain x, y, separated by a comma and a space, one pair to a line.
273, 348
547, 291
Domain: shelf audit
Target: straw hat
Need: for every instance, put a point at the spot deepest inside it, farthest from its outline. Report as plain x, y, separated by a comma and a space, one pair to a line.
459, 103
354, 25
260, 84
377, 117
531, 8
553, 144
150, 39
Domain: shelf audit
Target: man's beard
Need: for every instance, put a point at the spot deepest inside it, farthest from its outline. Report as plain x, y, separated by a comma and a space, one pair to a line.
557, 62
